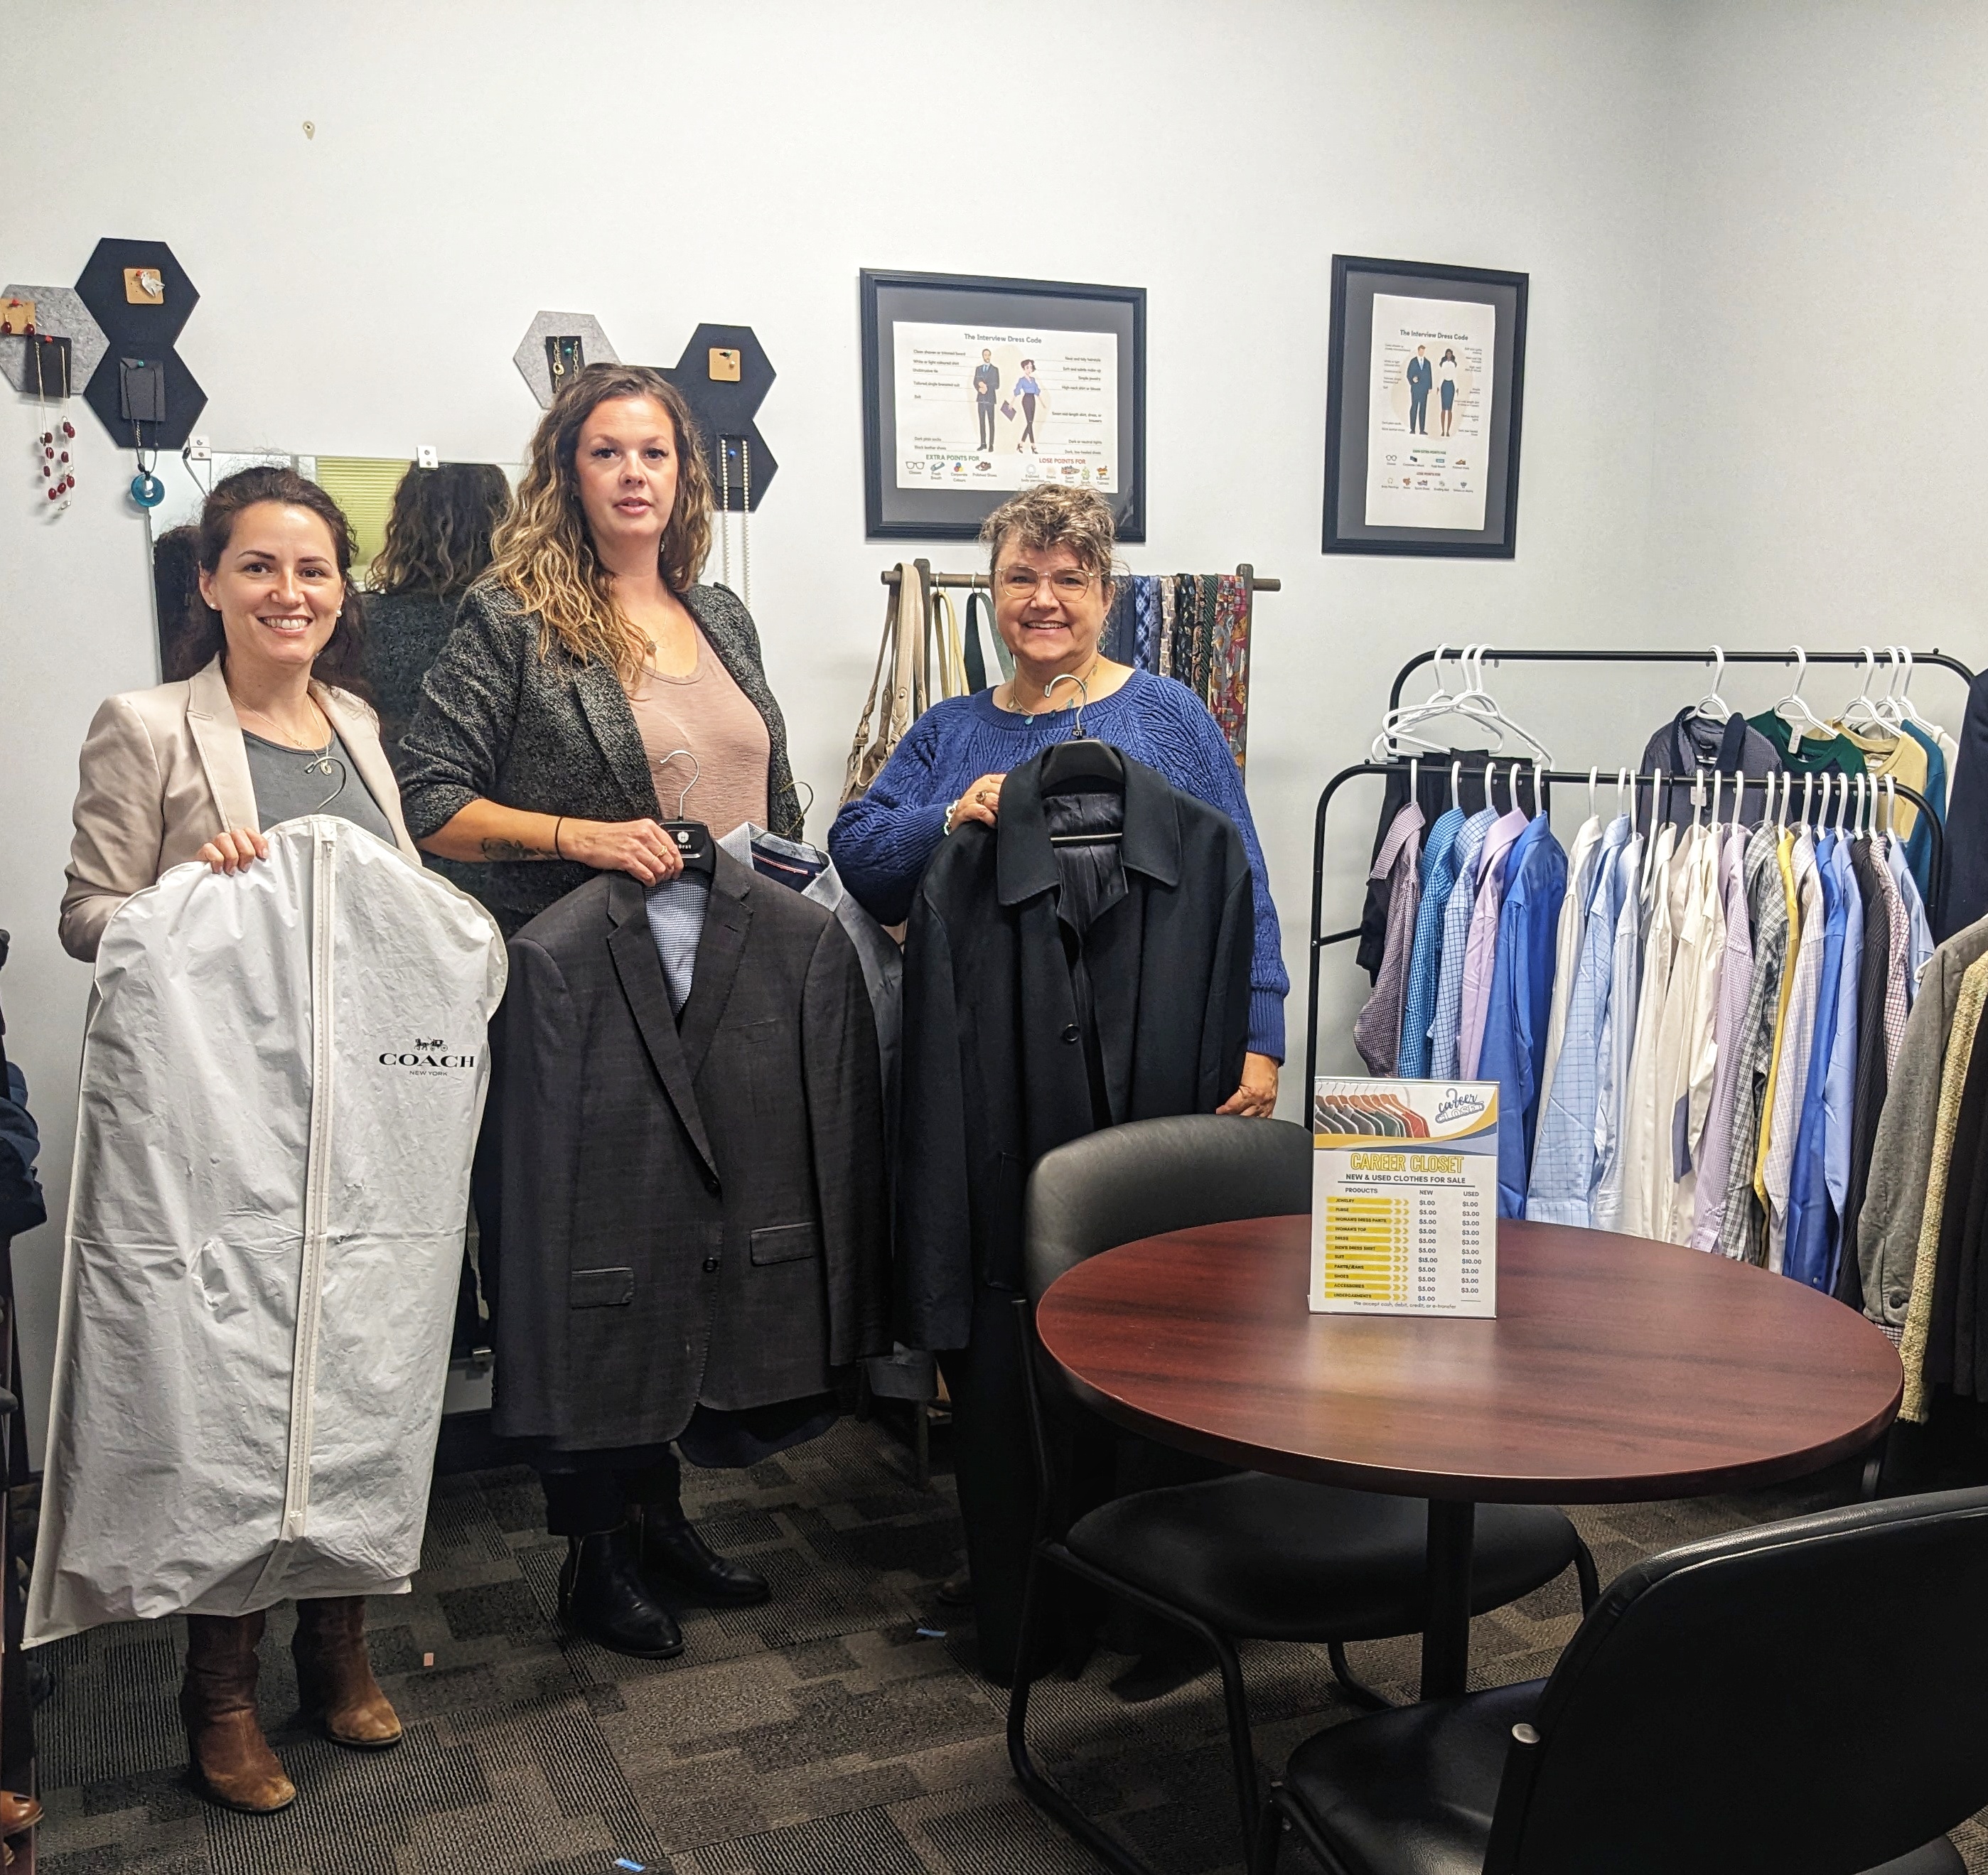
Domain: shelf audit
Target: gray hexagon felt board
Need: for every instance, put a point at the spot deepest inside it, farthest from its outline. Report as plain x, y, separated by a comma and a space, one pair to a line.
59, 312
530, 356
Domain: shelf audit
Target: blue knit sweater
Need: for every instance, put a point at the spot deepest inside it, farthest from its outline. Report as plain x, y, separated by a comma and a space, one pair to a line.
881, 843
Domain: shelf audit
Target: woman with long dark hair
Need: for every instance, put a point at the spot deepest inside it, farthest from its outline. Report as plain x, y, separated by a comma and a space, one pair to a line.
268, 727
437, 547
547, 741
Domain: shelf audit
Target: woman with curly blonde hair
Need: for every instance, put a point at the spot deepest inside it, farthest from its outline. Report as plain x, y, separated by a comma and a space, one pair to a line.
588, 654
546, 744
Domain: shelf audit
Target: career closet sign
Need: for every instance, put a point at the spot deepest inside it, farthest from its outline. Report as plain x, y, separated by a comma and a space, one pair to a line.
1405, 1197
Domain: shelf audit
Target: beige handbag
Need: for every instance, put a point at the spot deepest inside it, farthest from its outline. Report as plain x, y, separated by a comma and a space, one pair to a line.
946, 645
902, 654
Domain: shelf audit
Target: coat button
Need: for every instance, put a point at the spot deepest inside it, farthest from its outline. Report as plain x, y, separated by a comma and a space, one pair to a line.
710, 1264
1071, 1033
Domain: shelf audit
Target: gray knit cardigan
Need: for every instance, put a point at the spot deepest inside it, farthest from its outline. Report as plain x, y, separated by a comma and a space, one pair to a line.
497, 722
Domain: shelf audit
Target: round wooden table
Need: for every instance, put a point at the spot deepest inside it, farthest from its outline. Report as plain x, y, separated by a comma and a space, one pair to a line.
1617, 1369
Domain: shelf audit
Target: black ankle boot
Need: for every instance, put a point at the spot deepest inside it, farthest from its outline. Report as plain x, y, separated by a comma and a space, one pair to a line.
672, 1546
602, 1595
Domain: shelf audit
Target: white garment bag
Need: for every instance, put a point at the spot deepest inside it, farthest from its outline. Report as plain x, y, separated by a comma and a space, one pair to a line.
282, 1076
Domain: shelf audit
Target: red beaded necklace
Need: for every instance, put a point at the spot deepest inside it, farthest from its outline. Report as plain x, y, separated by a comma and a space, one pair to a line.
53, 451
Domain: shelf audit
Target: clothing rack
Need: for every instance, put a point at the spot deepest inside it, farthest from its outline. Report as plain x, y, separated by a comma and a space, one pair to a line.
1553, 655
1544, 779
1936, 658
1243, 571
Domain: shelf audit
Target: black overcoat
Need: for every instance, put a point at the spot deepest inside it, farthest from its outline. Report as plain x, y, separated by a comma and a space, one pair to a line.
690, 1214
994, 1074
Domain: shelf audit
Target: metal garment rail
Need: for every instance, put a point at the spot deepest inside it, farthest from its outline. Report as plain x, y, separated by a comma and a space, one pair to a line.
1244, 571
1545, 777
1935, 657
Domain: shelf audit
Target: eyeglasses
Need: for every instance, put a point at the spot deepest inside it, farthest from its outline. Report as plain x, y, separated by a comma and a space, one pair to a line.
1066, 583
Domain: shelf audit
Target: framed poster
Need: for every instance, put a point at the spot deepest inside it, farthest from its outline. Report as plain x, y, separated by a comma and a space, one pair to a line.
1424, 393
974, 389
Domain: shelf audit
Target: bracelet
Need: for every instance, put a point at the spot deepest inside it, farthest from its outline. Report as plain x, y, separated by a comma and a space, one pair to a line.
557, 825
952, 807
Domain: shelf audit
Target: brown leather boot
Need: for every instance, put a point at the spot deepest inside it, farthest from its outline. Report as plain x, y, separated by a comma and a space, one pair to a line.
335, 1678
17, 1813
232, 1763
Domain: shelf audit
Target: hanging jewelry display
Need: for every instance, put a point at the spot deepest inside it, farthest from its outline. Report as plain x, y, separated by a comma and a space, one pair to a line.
146, 489
725, 514
745, 521
56, 451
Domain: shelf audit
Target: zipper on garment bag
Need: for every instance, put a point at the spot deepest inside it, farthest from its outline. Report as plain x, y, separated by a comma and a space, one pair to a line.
310, 1274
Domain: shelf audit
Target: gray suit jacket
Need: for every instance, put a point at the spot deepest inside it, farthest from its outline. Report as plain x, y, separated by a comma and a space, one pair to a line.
691, 1213
499, 722
1888, 1228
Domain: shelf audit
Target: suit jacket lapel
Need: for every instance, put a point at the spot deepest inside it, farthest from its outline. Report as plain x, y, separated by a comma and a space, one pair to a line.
727, 919
216, 734
612, 723
640, 971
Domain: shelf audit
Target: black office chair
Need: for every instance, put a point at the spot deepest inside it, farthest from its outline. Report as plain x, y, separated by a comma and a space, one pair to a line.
1806, 1698
1246, 1556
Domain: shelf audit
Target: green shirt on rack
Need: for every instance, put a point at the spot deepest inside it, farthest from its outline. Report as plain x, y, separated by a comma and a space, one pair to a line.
1812, 754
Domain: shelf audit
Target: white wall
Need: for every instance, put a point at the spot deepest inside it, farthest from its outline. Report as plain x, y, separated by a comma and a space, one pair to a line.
1823, 386
663, 163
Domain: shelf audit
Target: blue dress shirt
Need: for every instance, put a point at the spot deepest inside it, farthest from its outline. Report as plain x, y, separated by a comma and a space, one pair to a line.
1806, 1257
1563, 1174
1516, 1018
1448, 1021
1438, 865
1839, 1091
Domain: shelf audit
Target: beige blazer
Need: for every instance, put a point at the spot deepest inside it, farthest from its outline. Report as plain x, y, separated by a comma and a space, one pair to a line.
163, 772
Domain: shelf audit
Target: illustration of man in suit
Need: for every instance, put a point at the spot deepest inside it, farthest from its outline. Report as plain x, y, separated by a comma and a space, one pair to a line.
1421, 375
986, 388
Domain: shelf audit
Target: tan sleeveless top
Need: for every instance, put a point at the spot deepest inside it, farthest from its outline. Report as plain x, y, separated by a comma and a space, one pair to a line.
708, 713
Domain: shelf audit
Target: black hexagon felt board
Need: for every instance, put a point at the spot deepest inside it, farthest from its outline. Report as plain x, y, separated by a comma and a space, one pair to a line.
725, 409
145, 330
185, 400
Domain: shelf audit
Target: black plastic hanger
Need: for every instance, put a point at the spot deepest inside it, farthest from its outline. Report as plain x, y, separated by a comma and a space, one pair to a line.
693, 837
1079, 763
1068, 764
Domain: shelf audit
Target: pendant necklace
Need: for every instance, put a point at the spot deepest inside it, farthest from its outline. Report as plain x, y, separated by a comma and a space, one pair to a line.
744, 588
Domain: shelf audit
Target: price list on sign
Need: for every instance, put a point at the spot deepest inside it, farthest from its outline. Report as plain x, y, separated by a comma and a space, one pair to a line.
1405, 1197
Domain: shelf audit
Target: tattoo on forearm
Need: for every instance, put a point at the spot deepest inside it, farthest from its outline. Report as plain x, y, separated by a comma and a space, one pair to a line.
513, 849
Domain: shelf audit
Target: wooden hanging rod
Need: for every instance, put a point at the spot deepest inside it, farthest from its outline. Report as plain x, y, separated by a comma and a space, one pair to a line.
1245, 571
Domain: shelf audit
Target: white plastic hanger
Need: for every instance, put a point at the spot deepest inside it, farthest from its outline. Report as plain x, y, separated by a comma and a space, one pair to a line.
1478, 704
1712, 705
1864, 715
1793, 709
1397, 726
1897, 704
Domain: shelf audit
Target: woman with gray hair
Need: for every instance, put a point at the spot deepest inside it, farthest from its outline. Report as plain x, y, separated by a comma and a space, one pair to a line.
1051, 557
1051, 550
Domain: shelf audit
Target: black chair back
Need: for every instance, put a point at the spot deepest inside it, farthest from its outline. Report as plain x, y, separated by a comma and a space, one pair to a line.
1810, 1695
1151, 1176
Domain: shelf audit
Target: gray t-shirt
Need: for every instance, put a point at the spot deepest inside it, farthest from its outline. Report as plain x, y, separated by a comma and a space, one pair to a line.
291, 782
